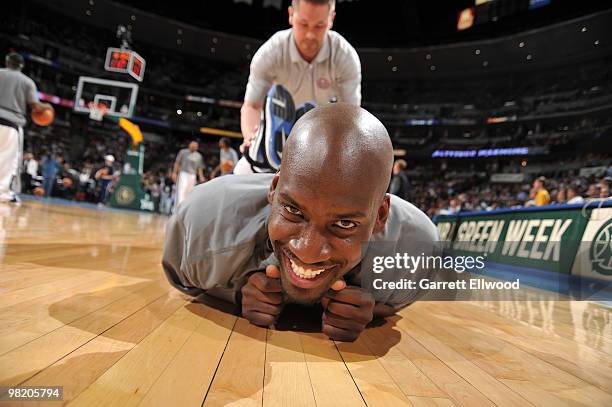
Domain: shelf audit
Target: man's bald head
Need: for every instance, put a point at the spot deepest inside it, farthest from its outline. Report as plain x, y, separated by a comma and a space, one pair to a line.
339, 141
328, 198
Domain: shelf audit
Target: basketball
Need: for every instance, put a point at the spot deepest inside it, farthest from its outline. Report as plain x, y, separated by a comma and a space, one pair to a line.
227, 166
44, 117
39, 191
67, 182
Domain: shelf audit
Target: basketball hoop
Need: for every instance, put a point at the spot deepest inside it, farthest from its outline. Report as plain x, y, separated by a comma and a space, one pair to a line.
97, 111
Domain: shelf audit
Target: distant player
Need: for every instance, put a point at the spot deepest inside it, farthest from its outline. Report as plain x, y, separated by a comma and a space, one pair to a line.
17, 92
188, 164
298, 68
228, 157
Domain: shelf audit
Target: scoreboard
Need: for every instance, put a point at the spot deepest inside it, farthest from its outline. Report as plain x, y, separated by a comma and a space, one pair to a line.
125, 61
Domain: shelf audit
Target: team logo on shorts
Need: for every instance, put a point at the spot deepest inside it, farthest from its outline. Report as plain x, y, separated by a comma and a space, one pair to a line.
601, 250
323, 82
125, 195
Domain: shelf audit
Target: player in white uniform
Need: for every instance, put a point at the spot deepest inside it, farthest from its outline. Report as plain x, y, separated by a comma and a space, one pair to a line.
17, 92
298, 68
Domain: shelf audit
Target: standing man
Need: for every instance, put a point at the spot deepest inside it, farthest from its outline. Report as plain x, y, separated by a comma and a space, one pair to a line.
400, 185
228, 157
50, 168
297, 68
539, 192
189, 162
31, 171
17, 92
105, 177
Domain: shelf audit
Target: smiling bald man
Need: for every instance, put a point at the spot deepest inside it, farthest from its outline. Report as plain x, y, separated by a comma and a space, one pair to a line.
307, 234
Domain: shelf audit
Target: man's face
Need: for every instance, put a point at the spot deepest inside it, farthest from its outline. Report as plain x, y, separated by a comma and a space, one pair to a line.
317, 228
193, 147
310, 24
592, 191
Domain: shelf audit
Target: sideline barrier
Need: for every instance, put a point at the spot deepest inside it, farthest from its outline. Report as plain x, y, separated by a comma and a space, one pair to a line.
574, 240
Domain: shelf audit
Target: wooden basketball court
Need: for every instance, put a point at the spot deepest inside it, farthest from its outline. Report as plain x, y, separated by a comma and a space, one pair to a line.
84, 305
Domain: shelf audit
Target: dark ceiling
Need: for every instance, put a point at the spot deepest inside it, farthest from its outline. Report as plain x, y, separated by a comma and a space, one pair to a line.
372, 23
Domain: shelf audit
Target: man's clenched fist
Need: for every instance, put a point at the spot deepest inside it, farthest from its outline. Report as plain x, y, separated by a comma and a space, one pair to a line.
262, 301
347, 311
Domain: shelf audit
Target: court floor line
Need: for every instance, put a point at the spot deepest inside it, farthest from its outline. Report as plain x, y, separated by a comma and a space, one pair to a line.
507, 362
456, 388
21, 364
34, 328
585, 363
349, 372
81, 367
229, 338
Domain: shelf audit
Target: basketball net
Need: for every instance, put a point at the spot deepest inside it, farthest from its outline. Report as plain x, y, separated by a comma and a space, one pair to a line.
97, 111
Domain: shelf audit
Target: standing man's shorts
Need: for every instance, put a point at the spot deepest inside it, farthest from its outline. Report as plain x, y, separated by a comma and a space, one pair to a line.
9, 158
185, 184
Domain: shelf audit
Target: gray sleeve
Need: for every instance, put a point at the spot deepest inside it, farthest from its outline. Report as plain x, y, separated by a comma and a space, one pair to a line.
173, 254
409, 231
179, 156
348, 76
212, 241
189, 264
31, 94
262, 73
234, 156
201, 162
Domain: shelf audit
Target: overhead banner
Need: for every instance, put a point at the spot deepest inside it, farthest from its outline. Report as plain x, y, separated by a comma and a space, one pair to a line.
507, 178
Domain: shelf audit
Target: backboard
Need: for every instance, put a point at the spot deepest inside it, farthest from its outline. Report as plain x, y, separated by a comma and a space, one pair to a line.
119, 97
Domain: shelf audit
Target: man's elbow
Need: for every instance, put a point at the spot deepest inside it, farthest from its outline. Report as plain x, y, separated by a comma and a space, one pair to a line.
249, 106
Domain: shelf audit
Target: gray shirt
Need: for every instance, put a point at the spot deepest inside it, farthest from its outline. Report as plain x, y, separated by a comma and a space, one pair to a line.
17, 91
335, 73
189, 162
230, 155
220, 234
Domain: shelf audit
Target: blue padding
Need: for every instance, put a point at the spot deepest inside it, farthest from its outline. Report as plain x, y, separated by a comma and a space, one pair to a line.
590, 205
583, 288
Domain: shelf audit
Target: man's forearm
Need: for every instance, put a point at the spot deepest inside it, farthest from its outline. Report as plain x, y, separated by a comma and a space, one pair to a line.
250, 116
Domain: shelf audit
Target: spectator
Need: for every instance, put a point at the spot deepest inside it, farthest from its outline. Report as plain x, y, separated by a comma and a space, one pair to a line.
604, 187
400, 185
454, 207
30, 173
573, 197
50, 167
105, 177
540, 194
561, 196
593, 191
